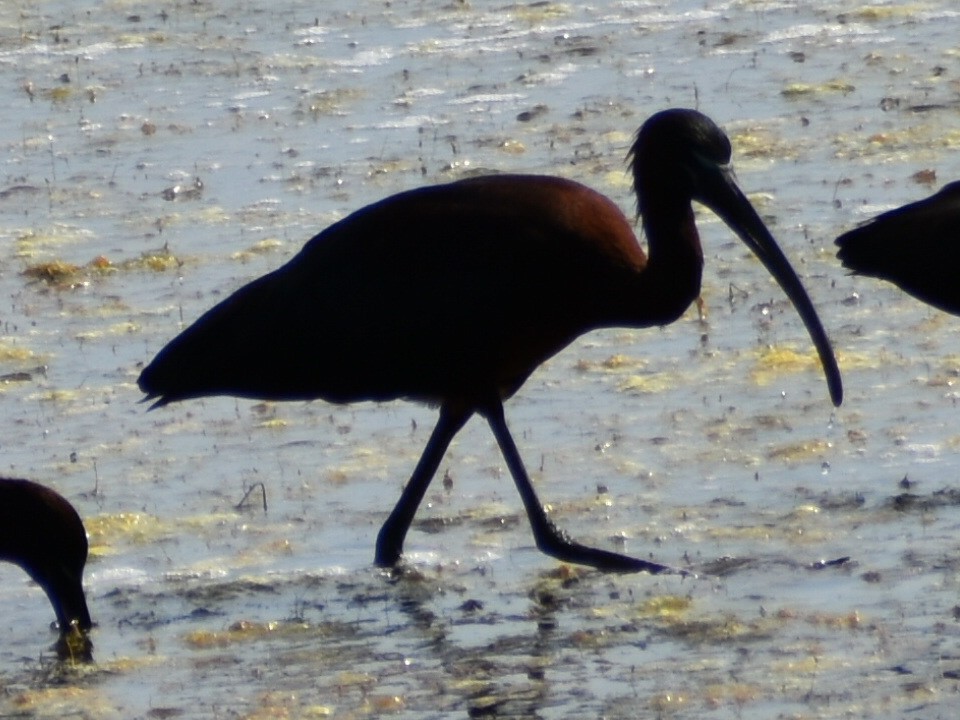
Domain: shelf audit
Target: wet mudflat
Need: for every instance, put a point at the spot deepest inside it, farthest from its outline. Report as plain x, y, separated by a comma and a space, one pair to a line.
156, 157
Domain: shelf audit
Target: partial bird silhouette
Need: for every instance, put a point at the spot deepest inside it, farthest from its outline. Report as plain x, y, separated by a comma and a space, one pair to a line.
42, 533
452, 295
916, 247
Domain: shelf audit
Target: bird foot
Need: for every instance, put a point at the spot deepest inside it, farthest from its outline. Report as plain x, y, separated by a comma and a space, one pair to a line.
556, 543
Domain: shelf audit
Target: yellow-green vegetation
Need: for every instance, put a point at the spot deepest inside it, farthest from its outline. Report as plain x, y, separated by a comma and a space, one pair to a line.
777, 361
17, 354
65, 275
139, 528
246, 631
797, 90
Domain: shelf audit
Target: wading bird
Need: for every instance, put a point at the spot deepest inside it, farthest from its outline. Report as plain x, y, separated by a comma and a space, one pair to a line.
454, 294
42, 533
916, 247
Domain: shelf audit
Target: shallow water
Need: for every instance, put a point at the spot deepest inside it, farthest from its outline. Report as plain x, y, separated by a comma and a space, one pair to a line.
708, 444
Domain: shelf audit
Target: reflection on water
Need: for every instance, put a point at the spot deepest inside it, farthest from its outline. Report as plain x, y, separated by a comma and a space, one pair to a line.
709, 444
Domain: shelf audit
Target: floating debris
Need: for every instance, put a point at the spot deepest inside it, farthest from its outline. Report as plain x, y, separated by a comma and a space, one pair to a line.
18, 191
183, 192
16, 377
55, 272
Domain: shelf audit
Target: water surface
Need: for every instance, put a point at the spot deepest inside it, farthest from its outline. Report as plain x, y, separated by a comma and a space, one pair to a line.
709, 444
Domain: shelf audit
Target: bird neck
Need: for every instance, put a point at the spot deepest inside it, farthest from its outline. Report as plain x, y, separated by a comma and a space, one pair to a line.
671, 279
672, 236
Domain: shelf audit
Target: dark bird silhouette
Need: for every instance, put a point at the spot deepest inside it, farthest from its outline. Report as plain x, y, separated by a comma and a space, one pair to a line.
454, 294
916, 247
42, 533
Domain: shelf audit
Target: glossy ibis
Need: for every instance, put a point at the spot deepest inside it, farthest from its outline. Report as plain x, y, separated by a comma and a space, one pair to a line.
916, 247
42, 533
453, 294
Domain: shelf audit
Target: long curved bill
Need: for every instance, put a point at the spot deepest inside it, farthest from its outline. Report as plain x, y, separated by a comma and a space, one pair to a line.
722, 195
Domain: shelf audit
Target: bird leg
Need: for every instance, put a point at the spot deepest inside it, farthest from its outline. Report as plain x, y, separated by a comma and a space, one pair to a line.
550, 539
394, 530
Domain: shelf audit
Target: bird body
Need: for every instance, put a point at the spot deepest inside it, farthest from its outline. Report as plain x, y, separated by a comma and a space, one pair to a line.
916, 247
454, 294
427, 295
43, 534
